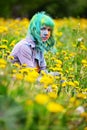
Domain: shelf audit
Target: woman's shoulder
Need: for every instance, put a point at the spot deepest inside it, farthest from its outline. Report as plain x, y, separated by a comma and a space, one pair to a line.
23, 43
25, 47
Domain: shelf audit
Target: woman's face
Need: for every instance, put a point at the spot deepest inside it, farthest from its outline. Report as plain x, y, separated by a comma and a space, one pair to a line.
45, 33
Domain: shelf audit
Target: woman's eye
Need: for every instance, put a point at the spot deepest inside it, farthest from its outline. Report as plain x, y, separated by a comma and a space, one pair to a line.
43, 28
49, 29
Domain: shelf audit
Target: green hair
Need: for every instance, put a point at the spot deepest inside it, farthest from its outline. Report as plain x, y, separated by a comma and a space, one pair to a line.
38, 20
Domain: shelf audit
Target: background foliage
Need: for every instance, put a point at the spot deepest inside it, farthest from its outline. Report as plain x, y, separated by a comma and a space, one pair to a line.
56, 8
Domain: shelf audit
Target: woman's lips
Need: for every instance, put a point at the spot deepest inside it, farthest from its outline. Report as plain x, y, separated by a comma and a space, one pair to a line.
44, 38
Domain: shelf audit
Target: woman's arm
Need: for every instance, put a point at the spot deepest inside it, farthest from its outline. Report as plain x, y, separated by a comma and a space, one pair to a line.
25, 56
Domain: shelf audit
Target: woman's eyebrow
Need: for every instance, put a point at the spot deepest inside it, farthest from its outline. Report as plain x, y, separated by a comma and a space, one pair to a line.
43, 27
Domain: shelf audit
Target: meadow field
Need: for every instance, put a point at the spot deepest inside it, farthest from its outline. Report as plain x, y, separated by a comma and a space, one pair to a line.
32, 101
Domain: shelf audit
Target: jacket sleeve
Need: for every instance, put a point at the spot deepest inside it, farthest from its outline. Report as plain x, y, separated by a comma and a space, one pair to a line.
25, 56
42, 62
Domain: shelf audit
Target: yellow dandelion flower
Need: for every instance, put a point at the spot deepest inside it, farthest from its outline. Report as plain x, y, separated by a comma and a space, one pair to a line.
14, 71
31, 76
19, 76
8, 52
72, 54
84, 61
3, 29
16, 65
2, 66
59, 34
85, 65
4, 40
52, 58
43, 72
66, 58
24, 70
72, 99
52, 94
55, 107
58, 62
3, 62
85, 90
58, 65
71, 83
54, 86
16, 33
59, 44
0, 53
5, 55
67, 71
85, 128
63, 78
81, 95
59, 69
84, 114
83, 47
24, 65
64, 52
76, 83
11, 57
42, 99
3, 47
64, 84
47, 79
13, 43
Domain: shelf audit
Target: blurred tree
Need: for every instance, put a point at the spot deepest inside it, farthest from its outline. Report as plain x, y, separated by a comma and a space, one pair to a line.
6, 8
56, 8
76, 7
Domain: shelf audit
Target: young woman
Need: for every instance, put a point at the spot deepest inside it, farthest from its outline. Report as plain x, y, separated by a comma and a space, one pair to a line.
30, 51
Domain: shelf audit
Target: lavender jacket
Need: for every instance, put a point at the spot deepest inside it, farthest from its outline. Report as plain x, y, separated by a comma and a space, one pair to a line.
24, 52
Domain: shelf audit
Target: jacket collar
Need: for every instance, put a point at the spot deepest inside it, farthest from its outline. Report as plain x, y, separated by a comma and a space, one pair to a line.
30, 40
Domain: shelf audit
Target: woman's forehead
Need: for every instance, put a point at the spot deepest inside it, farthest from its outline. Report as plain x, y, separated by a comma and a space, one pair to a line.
44, 26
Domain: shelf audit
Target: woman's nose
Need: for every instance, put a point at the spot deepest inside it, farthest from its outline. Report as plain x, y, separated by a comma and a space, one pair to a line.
46, 32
